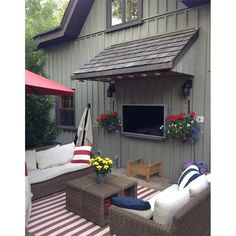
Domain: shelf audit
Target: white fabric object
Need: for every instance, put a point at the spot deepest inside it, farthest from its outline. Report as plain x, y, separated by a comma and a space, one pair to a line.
37, 176
28, 201
187, 175
208, 177
167, 204
81, 153
144, 213
49, 157
66, 152
172, 189
88, 139
30, 158
198, 185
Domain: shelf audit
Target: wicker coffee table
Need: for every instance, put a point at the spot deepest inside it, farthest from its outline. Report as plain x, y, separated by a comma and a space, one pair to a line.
74, 193
89, 200
94, 202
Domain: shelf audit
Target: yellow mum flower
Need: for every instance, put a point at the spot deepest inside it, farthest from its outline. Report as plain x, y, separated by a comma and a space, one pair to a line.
91, 160
110, 162
99, 167
106, 167
95, 163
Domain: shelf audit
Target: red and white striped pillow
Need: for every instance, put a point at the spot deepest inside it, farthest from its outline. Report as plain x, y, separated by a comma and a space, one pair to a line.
82, 154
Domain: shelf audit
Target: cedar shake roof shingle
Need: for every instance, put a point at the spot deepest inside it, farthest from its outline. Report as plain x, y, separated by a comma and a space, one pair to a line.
143, 55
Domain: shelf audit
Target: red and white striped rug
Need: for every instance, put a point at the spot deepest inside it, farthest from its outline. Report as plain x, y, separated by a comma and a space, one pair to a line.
49, 216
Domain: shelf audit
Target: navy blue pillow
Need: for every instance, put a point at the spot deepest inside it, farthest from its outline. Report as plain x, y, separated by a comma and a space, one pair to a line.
130, 203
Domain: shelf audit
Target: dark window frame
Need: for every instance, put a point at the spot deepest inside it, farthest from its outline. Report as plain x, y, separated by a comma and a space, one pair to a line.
64, 127
123, 25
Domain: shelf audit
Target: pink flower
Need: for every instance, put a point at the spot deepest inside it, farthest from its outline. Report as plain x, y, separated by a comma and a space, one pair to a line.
114, 113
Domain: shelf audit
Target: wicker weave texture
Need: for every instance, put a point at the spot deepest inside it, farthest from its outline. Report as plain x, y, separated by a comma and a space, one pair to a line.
74, 193
57, 184
128, 187
191, 220
93, 202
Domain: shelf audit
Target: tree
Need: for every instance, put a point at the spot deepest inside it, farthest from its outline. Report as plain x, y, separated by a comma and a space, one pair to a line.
40, 15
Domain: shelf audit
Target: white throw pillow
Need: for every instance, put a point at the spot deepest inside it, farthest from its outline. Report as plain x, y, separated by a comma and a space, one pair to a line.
30, 158
198, 185
66, 152
144, 213
188, 175
166, 205
49, 157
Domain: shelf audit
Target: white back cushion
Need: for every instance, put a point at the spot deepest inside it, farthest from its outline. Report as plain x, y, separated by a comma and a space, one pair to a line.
208, 177
66, 152
49, 157
30, 158
166, 205
171, 189
198, 185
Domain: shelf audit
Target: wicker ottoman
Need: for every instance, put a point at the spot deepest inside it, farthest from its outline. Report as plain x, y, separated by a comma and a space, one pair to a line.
74, 193
128, 187
94, 200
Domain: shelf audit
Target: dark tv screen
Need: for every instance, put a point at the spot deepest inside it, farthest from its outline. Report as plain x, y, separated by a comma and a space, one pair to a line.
144, 120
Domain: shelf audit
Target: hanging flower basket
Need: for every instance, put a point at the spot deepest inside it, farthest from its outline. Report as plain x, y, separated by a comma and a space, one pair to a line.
183, 126
109, 121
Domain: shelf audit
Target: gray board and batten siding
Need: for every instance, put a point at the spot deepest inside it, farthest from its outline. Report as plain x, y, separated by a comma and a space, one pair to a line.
159, 17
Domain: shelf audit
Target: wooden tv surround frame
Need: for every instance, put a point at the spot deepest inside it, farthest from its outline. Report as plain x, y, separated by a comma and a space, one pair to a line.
137, 166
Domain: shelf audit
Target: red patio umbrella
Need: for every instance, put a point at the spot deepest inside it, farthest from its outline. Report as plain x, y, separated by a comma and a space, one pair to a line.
40, 85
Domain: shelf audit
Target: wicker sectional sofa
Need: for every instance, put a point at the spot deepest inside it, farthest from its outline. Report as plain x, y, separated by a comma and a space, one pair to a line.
192, 219
49, 173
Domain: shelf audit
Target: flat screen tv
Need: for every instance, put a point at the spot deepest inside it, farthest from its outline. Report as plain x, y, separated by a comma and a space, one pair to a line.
144, 120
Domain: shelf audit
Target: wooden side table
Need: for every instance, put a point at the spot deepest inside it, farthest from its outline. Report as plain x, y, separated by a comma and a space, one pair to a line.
137, 166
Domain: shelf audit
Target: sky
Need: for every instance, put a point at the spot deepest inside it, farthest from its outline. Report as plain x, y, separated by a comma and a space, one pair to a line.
223, 112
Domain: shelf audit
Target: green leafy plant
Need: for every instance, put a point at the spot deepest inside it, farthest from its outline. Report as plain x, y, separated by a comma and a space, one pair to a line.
183, 126
40, 129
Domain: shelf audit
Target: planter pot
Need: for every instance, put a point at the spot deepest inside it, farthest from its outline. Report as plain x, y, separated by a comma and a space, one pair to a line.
101, 178
110, 128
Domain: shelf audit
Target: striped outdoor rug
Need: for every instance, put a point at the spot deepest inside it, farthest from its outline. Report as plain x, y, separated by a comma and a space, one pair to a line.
50, 217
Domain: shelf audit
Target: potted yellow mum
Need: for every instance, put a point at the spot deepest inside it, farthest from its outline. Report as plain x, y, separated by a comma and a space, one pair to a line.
102, 166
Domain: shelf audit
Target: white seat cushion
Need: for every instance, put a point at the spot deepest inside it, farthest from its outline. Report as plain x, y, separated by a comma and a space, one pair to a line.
144, 213
28, 201
37, 176
30, 158
167, 204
